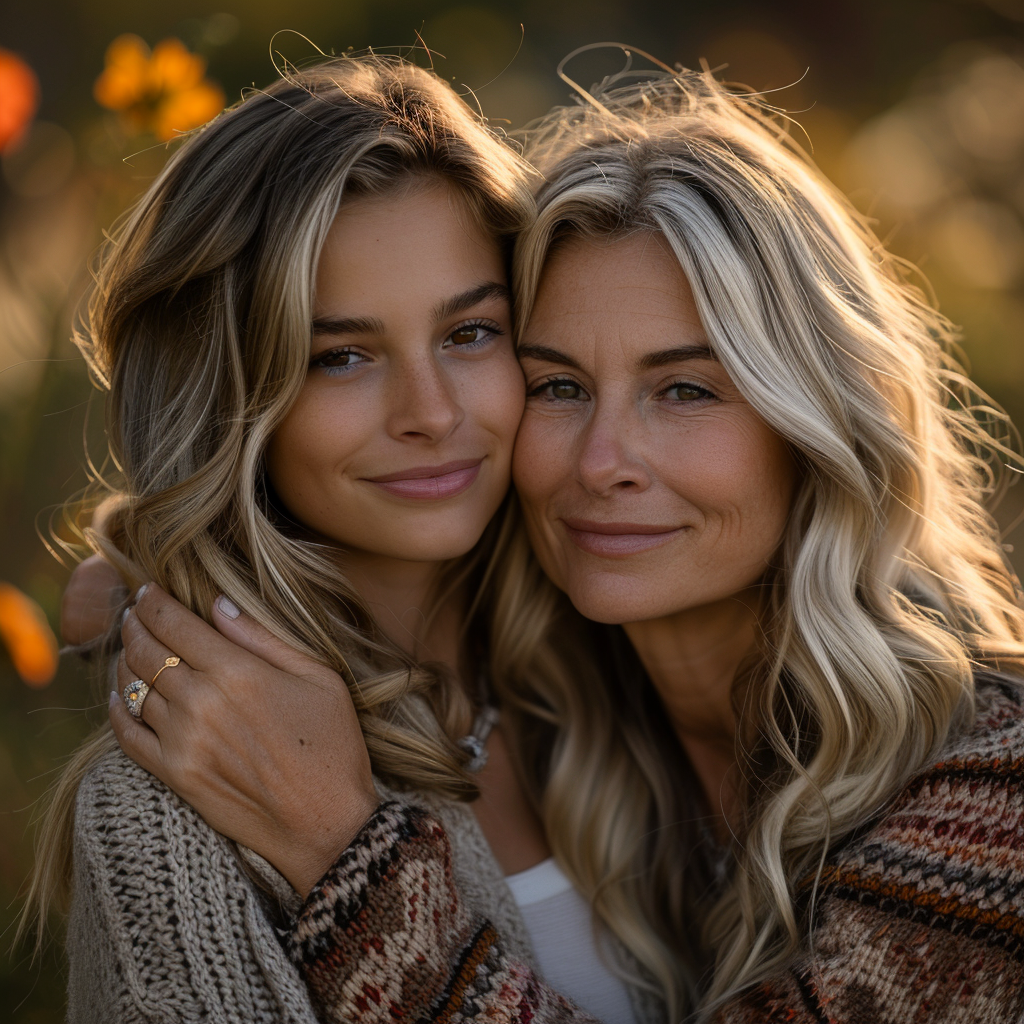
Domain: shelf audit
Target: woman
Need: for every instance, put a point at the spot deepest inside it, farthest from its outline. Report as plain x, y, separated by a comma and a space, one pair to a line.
305, 330
747, 441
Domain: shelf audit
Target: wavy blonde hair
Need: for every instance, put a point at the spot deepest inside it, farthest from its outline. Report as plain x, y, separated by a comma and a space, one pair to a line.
198, 328
890, 588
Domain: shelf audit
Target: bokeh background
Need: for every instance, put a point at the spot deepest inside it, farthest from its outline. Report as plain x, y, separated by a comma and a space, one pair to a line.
915, 108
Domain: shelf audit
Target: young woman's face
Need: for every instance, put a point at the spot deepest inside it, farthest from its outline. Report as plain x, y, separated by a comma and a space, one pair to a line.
650, 485
401, 440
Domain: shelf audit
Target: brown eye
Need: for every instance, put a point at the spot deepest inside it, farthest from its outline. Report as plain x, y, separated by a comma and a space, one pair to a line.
465, 335
564, 390
335, 359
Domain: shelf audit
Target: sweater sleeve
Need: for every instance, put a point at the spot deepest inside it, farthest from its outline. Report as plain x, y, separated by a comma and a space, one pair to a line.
384, 936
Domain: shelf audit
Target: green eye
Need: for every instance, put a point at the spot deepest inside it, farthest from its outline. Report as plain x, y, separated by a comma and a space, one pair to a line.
687, 392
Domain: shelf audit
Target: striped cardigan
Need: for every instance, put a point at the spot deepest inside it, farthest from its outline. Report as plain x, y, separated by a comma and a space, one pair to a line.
919, 919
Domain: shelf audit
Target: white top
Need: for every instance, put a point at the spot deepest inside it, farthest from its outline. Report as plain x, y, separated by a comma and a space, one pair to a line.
561, 929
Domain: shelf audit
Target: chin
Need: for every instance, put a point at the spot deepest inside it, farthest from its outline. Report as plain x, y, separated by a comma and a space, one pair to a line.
440, 546
615, 600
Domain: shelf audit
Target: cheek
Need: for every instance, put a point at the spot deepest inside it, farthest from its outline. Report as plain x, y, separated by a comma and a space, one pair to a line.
741, 481
542, 472
497, 398
315, 437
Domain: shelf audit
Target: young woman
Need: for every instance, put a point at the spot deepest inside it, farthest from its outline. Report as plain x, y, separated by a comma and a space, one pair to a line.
745, 440
305, 330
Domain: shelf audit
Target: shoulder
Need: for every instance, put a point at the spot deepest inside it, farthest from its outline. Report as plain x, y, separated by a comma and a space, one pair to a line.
126, 815
950, 848
921, 915
140, 850
164, 916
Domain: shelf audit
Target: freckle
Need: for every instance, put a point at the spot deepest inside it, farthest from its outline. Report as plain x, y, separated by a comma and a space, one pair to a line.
302, 742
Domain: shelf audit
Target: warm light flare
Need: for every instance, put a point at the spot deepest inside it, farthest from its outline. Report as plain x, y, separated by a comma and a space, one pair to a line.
28, 637
19, 97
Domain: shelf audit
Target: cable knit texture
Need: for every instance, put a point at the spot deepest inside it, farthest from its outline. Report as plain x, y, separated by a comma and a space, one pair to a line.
171, 922
919, 918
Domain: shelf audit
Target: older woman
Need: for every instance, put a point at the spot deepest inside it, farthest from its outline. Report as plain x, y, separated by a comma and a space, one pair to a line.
746, 441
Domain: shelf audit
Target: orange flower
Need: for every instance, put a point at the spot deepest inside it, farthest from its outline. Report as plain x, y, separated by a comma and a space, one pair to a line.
19, 97
163, 91
28, 636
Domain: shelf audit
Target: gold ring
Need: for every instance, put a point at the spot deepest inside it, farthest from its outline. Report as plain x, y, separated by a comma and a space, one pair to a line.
169, 663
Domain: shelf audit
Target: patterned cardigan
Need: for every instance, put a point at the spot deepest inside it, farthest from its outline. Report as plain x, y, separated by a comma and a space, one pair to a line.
920, 917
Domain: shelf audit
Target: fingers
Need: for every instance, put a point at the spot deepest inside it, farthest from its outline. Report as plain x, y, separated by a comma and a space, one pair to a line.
144, 656
247, 633
90, 601
140, 743
154, 706
176, 628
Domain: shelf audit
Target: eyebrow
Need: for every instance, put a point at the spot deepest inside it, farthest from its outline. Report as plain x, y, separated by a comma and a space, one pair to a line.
468, 299
655, 360
651, 361
444, 310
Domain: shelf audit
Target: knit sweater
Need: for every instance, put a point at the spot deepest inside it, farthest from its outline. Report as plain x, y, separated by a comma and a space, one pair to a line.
171, 922
919, 920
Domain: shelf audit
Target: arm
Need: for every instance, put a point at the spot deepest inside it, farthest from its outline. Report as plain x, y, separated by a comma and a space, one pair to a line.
267, 748
384, 936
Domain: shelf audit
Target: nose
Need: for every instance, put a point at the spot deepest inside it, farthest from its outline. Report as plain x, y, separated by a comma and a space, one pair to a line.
423, 401
609, 457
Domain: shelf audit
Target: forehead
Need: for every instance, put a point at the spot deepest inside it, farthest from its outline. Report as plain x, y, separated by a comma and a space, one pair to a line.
628, 291
415, 245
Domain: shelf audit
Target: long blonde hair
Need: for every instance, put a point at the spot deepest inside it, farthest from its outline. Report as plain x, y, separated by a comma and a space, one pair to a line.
890, 587
198, 328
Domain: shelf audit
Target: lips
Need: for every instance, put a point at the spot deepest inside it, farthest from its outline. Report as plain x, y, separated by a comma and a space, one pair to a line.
430, 483
618, 540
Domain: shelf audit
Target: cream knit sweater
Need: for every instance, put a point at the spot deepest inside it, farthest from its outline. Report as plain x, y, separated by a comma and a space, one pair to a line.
172, 922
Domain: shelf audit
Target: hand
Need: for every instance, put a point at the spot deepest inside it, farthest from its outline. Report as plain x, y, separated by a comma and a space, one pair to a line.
262, 741
91, 599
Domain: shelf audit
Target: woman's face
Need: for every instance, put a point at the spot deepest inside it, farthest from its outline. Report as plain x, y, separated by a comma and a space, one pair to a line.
400, 442
650, 485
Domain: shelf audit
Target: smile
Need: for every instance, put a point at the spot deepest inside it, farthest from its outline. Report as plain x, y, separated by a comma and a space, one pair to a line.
611, 540
430, 483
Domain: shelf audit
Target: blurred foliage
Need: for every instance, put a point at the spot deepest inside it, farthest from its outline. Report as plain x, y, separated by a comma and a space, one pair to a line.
916, 109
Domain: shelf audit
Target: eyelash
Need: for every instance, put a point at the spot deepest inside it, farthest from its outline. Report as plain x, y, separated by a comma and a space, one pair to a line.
319, 360
538, 390
492, 331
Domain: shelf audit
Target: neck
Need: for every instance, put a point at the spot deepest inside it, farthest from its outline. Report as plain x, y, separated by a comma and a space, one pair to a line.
402, 598
693, 658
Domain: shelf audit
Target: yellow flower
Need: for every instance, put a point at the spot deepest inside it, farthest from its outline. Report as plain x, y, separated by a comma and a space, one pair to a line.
27, 634
164, 91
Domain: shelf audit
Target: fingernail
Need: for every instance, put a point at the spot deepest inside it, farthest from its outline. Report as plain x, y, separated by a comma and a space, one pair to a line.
114, 698
142, 590
124, 615
228, 607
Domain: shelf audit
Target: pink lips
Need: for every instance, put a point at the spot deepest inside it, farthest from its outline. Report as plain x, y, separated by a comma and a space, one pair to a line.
430, 482
610, 540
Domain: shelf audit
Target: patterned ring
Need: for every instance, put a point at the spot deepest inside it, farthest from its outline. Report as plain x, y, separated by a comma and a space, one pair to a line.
135, 695
168, 663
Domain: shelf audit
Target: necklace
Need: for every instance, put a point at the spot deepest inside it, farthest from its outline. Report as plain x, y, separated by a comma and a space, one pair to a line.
474, 742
